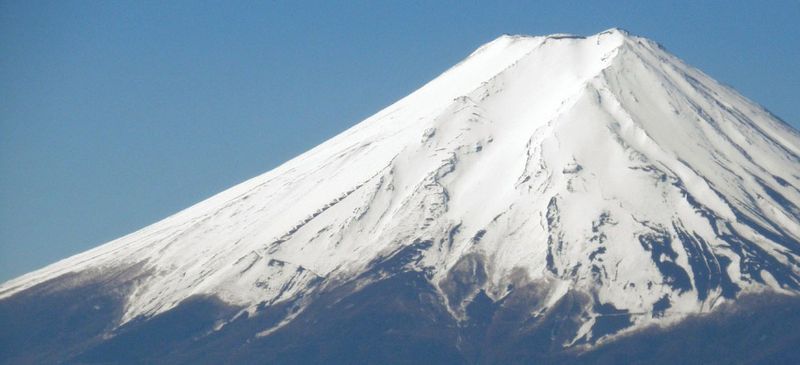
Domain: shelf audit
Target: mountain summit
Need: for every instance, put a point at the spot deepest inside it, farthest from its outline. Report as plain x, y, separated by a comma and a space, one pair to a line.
546, 198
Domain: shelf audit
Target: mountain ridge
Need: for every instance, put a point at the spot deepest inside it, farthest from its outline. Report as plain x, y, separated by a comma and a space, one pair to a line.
600, 179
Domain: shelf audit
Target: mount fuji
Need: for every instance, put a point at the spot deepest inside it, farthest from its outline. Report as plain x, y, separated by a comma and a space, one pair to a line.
548, 199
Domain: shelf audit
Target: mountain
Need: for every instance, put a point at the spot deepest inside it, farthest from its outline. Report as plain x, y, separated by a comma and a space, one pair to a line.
556, 198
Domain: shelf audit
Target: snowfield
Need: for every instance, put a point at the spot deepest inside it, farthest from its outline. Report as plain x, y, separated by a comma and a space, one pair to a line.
601, 164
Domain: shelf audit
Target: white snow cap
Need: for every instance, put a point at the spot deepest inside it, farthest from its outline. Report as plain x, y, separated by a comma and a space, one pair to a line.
599, 164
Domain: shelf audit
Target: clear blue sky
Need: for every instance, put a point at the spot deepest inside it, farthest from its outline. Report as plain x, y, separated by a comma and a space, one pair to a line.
115, 114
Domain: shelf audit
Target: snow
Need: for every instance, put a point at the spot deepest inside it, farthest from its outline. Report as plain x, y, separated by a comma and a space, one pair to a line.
563, 146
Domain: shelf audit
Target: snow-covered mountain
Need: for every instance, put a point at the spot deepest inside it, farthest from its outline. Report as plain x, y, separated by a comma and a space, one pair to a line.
597, 180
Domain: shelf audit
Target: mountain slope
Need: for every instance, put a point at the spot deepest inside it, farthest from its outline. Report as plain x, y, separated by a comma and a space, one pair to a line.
585, 187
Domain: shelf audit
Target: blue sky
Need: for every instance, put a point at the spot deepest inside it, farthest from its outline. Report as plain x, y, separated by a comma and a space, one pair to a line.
114, 115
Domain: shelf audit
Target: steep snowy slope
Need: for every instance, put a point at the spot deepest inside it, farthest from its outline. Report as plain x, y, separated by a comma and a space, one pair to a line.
601, 168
